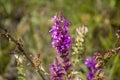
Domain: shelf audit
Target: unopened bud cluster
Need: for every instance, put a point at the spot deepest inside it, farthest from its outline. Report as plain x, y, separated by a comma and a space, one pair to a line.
80, 39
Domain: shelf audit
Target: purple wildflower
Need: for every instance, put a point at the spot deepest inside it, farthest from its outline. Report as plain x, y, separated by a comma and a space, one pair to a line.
61, 38
57, 71
91, 64
61, 42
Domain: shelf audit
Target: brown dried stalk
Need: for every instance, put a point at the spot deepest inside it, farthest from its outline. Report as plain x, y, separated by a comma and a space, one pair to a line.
20, 47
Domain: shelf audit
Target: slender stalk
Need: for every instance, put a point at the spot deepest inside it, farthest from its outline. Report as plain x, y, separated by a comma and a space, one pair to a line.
47, 75
41, 75
20, 47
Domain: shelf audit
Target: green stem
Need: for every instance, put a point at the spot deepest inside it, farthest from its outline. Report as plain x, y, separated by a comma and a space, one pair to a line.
41, 75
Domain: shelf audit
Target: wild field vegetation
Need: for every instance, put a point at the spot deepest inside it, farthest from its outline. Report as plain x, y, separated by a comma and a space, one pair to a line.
59, 39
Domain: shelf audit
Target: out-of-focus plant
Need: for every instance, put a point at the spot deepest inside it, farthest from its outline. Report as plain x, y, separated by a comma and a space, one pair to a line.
36, 63
64, 66
97, 63
79, 51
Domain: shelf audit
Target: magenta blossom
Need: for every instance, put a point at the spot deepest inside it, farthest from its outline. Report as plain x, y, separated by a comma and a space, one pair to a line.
91, 64
61, 42
61, 38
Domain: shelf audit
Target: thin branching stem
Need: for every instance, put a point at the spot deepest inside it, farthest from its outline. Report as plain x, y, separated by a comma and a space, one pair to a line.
20, 47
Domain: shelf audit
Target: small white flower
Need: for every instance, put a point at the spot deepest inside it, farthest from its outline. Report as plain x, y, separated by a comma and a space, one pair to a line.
85, 29
18, 58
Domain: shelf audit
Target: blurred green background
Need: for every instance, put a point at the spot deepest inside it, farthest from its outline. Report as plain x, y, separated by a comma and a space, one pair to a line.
29, 20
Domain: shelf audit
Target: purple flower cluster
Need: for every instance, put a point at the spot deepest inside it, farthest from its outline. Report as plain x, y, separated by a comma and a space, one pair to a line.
61, 39
61, 42
91, 63
57, 71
